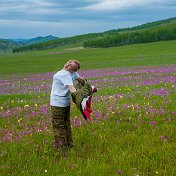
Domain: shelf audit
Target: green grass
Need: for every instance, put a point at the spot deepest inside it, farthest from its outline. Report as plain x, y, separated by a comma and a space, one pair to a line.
51, 60
101, 149
121, 141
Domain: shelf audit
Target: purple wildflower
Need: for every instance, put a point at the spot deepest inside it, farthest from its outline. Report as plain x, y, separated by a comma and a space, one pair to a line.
153, 123
119, 172
162, 137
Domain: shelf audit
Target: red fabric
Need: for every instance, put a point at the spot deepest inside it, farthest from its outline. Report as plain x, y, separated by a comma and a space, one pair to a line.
87, 110
94, 89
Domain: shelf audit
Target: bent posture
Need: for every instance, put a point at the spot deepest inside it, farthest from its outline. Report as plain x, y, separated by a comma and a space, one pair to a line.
62, 86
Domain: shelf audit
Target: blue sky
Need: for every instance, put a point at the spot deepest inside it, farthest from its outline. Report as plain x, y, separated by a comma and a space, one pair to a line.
32, 18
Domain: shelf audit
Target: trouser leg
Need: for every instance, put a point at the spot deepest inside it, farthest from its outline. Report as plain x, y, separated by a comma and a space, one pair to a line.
68, 128
58, 122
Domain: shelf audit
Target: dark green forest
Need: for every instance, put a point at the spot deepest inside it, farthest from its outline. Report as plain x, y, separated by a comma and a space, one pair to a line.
57, 42
159, 33
6, 45
150, 32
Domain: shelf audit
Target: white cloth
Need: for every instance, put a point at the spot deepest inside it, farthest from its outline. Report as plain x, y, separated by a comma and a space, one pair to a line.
60, 93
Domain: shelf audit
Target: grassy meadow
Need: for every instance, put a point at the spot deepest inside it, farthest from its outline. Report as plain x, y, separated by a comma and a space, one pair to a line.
133, 126
124, 56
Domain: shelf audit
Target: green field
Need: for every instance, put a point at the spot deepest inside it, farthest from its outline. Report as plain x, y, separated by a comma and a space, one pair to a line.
133, 126
51, 60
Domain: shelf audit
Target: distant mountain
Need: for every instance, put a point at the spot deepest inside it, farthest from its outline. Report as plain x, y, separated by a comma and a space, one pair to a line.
41, 39
8, 44
20, 40
35, 40
149, 32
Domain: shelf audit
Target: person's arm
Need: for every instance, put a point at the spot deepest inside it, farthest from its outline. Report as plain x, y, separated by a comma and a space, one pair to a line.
72, 88
81, 80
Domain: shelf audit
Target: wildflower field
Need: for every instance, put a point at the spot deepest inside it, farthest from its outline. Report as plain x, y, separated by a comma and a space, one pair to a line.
132, 131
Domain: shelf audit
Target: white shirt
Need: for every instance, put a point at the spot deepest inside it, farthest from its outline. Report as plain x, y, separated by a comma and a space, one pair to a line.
60, 93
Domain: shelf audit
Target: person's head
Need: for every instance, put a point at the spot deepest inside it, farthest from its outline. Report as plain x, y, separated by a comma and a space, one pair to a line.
72, 65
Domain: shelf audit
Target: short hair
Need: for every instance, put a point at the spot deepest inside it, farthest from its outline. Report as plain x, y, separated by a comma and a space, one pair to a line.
75, 61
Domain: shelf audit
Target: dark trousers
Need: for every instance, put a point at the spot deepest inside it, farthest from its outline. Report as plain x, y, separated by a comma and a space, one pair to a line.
61, 127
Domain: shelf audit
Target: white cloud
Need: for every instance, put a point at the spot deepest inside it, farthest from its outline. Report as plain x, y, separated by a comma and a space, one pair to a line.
41, 3
72, 17
30, 7
29, 29
105, 5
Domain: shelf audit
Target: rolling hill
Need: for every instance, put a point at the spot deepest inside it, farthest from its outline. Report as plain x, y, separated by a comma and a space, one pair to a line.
8, 44
149, 31
51, 60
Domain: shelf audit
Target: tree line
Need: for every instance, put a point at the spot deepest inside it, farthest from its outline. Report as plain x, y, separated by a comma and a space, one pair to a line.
149, 32
6, 44
58, 42
143, 26
159, 33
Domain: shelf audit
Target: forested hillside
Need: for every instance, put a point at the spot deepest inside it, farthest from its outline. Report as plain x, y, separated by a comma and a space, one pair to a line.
149, 32
6, 45
144, 26
159, 33
57, 42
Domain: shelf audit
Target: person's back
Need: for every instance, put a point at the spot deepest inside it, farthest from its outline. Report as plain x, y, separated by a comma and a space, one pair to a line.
60, 93
60, 96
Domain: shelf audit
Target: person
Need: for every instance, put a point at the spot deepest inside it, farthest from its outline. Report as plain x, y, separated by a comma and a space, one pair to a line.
62, 87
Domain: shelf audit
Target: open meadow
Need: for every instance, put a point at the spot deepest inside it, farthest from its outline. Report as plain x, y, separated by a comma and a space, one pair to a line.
133, 126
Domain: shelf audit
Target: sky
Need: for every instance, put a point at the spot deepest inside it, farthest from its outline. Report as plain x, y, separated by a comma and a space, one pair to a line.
65, 18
